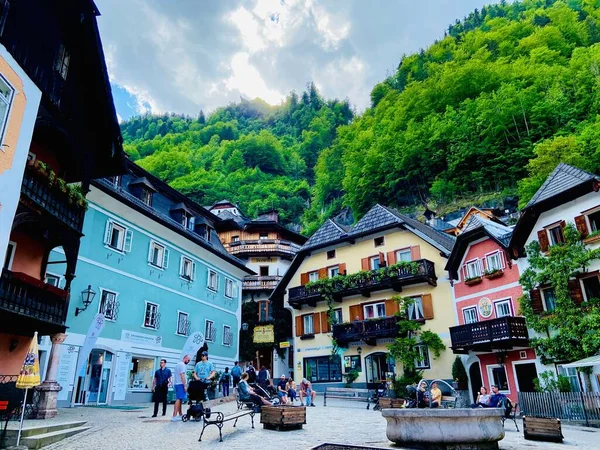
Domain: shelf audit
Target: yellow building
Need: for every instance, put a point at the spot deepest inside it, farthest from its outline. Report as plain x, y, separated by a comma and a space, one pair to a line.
365, 314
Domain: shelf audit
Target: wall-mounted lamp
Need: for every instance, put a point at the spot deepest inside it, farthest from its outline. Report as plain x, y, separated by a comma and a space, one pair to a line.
359, 350
87, 297
244, 327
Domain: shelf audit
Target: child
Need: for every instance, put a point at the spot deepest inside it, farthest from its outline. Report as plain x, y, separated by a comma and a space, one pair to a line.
308, 393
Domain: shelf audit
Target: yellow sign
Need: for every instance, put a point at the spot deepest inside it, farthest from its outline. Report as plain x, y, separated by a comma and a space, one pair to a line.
285, 344
264, 334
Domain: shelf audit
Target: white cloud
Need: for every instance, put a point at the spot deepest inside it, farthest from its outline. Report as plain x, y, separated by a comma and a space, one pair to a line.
246, 79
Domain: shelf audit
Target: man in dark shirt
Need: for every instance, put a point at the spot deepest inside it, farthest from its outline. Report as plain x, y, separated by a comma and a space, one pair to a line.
160, 386
281, 389
496, 398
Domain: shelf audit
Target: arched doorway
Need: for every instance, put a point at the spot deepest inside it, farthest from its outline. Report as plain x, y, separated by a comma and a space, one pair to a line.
475, 378
378, 367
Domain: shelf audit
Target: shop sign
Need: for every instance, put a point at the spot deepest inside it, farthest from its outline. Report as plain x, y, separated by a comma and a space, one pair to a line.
285, 344
140, 338
264, 334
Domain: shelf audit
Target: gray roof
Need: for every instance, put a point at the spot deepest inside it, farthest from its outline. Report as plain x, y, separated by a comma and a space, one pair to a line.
500, 232
562, 178
329, 232
444, 240
377, 217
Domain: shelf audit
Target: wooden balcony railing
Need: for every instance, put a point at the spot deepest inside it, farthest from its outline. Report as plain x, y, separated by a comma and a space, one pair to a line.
403, 276
260, 283
26, 296
263, 247
503, 333
52, 200
366, 330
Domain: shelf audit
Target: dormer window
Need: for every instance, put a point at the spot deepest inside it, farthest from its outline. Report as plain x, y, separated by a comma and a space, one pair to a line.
187, 221
264, 236
143, 190
115, 181
61, 65
147, 197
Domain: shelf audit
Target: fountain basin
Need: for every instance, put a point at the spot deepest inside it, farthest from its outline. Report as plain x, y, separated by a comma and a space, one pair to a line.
445, 429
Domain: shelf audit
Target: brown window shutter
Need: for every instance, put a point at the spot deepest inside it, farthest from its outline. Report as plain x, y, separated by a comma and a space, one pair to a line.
391, 257
356, 311
536, 300
563, 224
381, 259
427, 306
575, 291
391, 307
304, 278
581, 225
325, 322
322, 273
299, 326
343, 269
317, 323
543, 240
415, 252
364, 264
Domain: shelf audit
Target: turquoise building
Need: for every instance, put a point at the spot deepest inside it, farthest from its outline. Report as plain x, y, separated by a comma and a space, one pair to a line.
159, 273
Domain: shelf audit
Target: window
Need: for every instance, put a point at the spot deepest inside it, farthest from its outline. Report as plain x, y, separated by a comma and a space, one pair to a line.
571, 374
147, 197
313, 276
331, 254
307, 320
352, 363
210, 332
228, 288
415, 309
374, 310
264, 271
182, 323
503, 308
61, 65
141, 373
151, 316
265, 313
591, 287
497, 375
115, 181
549, 299
378, 242
263, 236
333, 271
213, 280
187, 221
235, 239
108, 304
158, 255
187, 269
556, 235
422, 360
52, 280
10, 255
404, 255
473, 268
337, 316
374, 262
594, 219
493, 262
470, 315
323, 369
227, 336
118, 237
6, 96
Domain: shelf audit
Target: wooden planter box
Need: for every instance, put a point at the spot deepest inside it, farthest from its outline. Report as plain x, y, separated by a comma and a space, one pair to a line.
542, 429
473, 281
391, 402
283, 418
494, 275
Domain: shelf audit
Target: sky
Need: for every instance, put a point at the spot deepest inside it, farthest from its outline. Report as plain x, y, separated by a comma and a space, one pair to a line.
186, 55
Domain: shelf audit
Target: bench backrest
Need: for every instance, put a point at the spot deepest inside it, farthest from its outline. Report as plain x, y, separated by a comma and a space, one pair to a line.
347, 392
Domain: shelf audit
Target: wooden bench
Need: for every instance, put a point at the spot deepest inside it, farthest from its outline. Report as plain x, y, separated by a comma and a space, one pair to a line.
386, 402
357, 395
220, 418
542, 429
448, 401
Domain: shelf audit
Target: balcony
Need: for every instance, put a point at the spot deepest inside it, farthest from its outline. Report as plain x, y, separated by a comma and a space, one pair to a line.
404, 276
260, 283
28, 304
366, 330
50, 199
497, 334
263, 247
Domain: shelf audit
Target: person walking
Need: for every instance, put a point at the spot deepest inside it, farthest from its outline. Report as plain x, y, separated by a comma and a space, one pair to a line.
225, 382
204, 371
160, 386
236, 373
179, 383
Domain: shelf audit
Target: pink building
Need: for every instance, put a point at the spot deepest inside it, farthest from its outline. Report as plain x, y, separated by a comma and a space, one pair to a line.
491, 336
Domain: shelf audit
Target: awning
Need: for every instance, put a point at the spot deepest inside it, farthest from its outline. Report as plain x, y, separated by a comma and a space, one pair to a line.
586, 362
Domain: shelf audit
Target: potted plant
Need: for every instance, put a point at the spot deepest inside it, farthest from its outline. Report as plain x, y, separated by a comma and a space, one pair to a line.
214, 384
350, 377
459, 374
473, 281
492, 274
592, 237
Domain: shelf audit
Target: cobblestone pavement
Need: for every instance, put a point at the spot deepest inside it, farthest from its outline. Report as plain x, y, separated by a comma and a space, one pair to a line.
339, 422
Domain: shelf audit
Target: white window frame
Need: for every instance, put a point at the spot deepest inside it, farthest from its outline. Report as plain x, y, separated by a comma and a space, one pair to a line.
148, 327
182, 272
506, 301
372, 260
477, 266
587, 215
550, 239
187, 318
228, 288
55, 276
163, 258
423, 361
313, 276
543, 295
338, 315
375, 310
308, 318
333, 254
125, 240
582, 286
146, 197
491, 377
333, 271
226, 331
235, 238
403, 251
500, 256
63, 59
415, 309
9, 102
209, 325
111, 318
212, 275
12, 255
469, 309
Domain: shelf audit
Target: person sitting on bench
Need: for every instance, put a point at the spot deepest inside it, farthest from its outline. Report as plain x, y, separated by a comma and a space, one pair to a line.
436, 396
497, 398
247, 394
483, 399
306, 391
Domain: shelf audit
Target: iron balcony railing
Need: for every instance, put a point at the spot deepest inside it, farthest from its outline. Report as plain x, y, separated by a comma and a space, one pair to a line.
366, 330
52, 200
503, 333
260, 283
27, 296
258, 246
403, 276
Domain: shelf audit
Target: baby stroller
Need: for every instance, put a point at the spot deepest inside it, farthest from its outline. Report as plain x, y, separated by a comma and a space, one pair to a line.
266, 394
411, 400
196, 395
380, 392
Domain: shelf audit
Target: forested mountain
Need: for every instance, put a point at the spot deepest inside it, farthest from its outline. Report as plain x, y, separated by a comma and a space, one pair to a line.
508, 93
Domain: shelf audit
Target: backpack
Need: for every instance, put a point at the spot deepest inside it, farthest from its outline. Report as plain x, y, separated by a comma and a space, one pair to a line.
262, 375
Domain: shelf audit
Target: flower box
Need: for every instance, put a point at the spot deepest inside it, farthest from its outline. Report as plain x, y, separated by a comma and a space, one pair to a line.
592, 239
473, 281
493, 275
